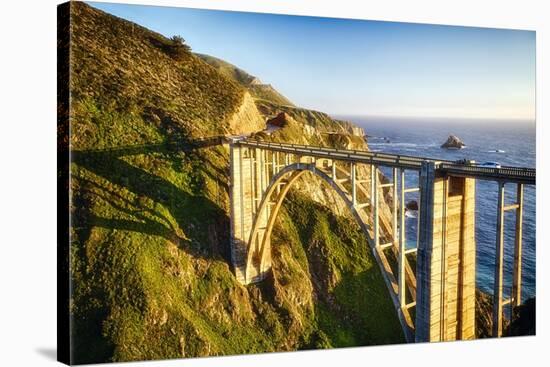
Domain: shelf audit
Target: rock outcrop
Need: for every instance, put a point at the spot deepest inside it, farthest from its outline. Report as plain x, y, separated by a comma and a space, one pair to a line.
453, 142
357, 131
247, 119
280, 120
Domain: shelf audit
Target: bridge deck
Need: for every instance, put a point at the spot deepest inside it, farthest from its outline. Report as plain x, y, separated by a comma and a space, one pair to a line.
504, 173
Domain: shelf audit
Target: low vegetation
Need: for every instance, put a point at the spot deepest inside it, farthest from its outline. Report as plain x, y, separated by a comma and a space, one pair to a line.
260, 91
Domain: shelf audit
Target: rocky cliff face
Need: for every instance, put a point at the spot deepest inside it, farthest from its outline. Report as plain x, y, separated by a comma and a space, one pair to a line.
358, 131
247, 118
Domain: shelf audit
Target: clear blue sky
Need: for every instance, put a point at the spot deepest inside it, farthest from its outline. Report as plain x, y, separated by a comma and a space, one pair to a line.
358, 67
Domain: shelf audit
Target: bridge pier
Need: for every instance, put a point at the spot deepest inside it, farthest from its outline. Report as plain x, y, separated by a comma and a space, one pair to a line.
445, 306
248, 181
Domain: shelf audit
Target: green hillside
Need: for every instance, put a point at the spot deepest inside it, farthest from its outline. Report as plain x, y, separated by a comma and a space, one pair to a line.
267, 93
229, 70
260, 91
150, 227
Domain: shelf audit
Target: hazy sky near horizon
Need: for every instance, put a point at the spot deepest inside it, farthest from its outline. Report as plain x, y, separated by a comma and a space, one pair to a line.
358, 67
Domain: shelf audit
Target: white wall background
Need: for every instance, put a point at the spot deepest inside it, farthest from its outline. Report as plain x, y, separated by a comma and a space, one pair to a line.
28, 180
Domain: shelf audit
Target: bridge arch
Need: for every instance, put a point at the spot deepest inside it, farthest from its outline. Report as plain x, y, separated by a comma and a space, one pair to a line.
258, 260
275, 193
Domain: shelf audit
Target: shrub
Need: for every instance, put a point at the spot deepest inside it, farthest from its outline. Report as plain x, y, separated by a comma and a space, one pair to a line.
174, 47
178, 49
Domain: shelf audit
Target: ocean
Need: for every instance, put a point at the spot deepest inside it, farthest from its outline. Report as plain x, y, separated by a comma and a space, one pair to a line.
510, 143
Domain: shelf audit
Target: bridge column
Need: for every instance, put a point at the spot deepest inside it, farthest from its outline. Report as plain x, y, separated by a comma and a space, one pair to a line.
445, 305
240, 209
248, 175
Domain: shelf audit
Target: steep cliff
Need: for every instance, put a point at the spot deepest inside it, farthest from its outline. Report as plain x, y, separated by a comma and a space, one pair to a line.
150, 231
247, 118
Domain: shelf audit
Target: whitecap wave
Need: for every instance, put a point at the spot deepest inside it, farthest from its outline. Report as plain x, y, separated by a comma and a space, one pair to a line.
397, 144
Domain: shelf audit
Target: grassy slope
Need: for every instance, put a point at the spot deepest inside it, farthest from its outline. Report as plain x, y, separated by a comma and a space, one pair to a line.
122, 71
351, 306
150, 224
229, 70
263, 92
266, 92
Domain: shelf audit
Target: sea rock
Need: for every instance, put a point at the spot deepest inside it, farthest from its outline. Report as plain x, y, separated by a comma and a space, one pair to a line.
412, 205
453, 142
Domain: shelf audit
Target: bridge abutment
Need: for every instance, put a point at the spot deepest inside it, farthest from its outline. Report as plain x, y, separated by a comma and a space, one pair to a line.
445, 308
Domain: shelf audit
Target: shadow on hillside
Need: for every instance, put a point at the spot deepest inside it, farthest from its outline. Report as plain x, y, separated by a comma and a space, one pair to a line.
170, 147
198, 225
189, 210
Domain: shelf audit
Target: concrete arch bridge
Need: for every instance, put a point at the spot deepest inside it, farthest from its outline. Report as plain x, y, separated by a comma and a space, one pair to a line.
440, 288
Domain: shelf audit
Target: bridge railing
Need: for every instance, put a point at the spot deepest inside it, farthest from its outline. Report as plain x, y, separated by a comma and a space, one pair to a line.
507, 173
355, 156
